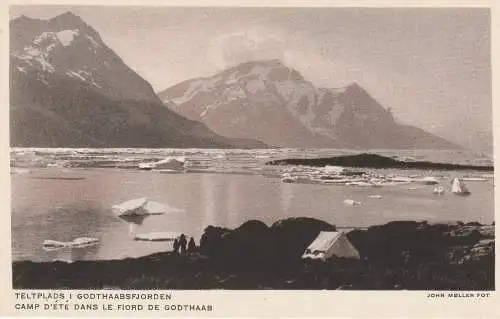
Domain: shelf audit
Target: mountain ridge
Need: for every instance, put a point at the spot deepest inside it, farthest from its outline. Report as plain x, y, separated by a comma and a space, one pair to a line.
274, 103
69, 89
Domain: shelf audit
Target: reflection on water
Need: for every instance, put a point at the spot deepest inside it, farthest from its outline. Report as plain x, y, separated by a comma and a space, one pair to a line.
65, 209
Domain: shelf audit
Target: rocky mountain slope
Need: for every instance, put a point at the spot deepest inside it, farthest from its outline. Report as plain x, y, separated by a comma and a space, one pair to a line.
69, 89
273, 103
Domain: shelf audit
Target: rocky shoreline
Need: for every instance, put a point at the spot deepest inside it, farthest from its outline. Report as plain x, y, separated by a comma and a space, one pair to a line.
399, 255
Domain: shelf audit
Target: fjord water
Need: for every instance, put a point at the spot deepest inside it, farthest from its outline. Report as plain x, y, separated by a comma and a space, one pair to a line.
63, 202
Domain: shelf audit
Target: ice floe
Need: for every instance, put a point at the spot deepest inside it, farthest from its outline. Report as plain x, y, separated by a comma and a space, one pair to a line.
458, 187
80, 242
156, 236
131, 207
169, 163
351, 202
142, 207
439, 190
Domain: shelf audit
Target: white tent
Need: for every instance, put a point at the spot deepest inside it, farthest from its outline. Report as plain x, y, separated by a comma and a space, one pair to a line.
329, 244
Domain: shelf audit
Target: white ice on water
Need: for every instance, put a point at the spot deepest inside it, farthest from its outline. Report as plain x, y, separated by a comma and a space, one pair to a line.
157, 236
351, 202
131, 207
142, 207
80, 242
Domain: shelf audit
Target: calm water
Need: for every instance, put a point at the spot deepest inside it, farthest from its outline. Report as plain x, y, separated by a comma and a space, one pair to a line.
65, 203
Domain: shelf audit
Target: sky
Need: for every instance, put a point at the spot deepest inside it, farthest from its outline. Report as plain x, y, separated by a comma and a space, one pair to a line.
431, 66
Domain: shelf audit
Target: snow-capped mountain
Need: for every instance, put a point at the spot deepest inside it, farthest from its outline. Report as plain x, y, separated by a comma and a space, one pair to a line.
270, 102
69, 89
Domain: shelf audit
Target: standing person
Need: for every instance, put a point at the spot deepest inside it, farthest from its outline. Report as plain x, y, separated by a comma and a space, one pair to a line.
183, 243
191, 246
176, 245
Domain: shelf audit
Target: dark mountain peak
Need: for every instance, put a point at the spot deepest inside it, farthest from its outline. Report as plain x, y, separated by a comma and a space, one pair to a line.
20, 18
23, 21
68, 17
355, 87
69, 20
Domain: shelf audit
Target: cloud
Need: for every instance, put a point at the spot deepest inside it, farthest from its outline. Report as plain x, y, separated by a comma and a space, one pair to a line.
238, 47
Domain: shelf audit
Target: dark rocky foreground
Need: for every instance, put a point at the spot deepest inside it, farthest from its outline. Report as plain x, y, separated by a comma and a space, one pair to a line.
376, 161
398, 255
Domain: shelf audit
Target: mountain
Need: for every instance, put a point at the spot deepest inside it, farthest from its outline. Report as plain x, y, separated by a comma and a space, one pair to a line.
270, 102
68, 89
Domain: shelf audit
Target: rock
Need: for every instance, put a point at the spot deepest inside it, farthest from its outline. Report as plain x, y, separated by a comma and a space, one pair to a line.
211, 240
484, 247
292, 236
131, 207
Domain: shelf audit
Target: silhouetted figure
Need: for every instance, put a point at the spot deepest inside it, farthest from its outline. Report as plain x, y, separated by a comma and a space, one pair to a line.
183, 243
176, 246
191, 246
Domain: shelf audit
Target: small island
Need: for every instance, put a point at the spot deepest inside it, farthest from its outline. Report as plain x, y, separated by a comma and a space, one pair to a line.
366, 160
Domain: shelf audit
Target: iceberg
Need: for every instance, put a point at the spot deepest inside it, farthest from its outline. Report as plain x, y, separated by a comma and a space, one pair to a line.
156, 236
171, 164
131, 207
80, 242
53, 244
458, 187
439, 190
287, 178
333, 169
351, 202
155, 208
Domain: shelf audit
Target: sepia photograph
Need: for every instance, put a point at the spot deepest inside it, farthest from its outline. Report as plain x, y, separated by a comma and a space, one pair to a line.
251, 148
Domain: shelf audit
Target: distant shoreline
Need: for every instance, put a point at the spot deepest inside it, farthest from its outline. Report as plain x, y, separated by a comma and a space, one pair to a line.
367, 160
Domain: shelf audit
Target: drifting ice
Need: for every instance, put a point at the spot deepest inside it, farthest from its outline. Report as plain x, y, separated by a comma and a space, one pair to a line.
351, 202
459, 187
333, 169
141, 207
131, 207
80, 242
438, 190
170, 163
156, 236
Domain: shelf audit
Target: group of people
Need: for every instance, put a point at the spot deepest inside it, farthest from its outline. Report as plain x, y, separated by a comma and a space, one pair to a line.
185, 247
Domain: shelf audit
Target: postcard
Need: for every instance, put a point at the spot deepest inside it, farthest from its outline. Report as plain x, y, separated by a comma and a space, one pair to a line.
250, 159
